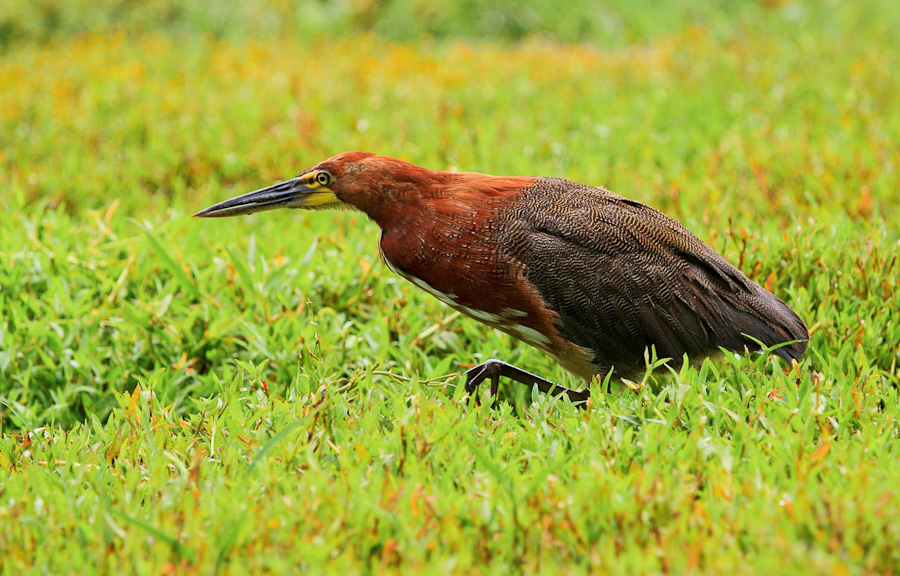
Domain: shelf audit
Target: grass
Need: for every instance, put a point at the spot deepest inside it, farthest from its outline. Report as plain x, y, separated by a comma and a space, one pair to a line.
262, 394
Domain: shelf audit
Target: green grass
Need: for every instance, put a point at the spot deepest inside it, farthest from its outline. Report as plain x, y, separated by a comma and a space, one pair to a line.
262, 394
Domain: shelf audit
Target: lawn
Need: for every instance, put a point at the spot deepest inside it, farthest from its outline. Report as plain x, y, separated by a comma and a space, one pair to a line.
262, 394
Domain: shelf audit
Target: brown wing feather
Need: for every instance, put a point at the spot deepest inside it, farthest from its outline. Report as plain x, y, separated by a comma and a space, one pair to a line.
622, 276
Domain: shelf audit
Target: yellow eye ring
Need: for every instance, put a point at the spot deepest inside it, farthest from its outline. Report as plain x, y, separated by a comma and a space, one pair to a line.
324, 178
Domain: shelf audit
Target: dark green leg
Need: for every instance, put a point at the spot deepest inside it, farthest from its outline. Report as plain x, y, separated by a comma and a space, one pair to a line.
494, 369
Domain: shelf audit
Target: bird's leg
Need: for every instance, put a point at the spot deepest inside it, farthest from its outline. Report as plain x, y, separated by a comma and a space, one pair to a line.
493, 369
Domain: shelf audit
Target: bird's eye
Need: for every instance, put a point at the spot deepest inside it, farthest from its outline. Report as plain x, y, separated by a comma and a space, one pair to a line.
323, 178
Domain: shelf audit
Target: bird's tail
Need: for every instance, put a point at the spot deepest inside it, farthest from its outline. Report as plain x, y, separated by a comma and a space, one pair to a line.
760, 315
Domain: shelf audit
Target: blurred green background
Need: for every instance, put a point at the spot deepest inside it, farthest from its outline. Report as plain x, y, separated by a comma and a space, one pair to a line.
607, 23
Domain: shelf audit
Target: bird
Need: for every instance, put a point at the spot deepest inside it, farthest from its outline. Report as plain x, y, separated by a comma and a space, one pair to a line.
593, 279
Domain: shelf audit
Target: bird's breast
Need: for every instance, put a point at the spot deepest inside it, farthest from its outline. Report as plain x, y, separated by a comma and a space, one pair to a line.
456, 265
463, 265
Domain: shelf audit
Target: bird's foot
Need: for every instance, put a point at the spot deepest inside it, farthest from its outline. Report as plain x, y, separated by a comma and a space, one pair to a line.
493, 369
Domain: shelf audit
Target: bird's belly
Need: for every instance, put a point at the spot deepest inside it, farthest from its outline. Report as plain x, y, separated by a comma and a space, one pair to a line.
447, 298
573, 358
507, 319
452, 300
528, 325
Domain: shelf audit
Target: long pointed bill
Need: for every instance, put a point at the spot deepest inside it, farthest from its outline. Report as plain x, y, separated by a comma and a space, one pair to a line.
299, 192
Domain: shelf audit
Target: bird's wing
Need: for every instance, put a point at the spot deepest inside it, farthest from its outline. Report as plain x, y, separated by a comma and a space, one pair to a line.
622, 276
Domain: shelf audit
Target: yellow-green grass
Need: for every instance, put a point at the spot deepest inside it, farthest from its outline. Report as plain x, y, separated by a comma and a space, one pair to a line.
263, 394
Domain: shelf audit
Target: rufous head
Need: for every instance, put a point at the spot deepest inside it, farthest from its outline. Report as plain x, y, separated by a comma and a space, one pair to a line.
360, 180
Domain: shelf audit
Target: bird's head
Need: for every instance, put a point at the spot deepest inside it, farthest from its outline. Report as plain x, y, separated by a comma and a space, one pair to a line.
360, 180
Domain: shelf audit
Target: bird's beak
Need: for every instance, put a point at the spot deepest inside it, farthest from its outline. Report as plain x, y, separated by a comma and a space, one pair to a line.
299, 192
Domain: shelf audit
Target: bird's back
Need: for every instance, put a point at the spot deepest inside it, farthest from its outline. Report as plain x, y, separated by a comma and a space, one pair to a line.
622, 277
